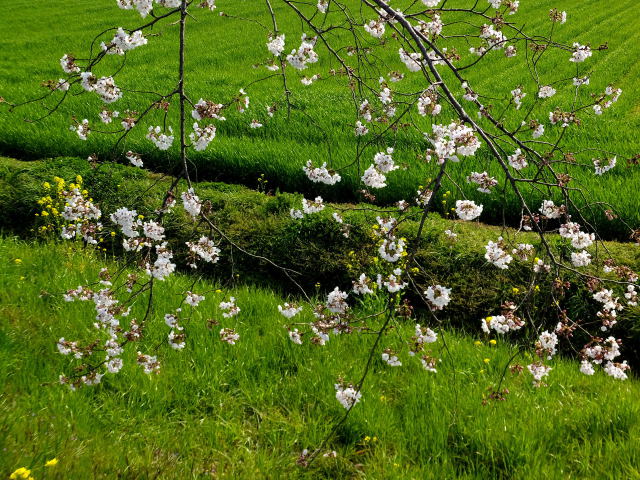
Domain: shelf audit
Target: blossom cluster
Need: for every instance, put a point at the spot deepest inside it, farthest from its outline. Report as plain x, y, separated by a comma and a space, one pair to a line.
451, 141
144, 7
321, 174
375, 175
123, 42
304, 55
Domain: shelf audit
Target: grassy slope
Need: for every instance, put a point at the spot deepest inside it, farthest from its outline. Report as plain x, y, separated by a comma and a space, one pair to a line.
280, 149
248, 410
316, 248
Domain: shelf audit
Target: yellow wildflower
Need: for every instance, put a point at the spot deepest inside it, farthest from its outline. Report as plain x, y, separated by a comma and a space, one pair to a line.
51, 463
20, 473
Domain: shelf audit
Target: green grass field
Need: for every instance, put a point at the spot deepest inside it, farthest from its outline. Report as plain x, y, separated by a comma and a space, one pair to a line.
320, 129
247, 411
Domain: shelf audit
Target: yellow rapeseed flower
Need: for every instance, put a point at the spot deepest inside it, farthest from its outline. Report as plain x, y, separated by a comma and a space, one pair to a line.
46, 185
20, 473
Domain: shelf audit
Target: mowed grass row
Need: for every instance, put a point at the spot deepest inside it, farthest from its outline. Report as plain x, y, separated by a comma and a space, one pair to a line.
320, 127
248, 410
